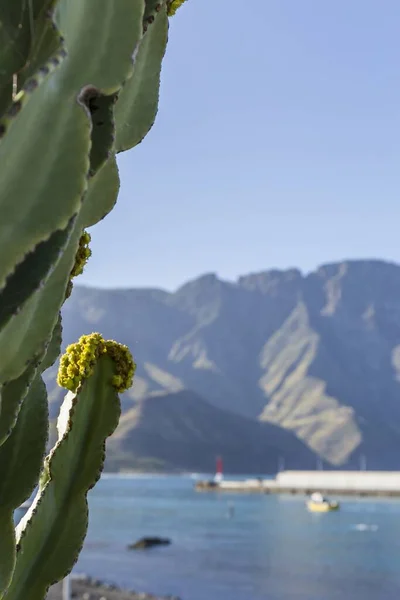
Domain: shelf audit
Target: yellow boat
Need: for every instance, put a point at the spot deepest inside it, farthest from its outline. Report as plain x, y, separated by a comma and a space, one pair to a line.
318, 503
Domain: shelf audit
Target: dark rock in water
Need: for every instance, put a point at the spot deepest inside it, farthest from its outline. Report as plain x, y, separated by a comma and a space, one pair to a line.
149, 542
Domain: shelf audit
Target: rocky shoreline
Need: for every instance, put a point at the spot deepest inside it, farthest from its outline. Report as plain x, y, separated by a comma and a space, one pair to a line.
86, 588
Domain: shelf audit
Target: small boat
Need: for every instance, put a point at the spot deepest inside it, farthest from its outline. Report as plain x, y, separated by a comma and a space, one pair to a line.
318, 503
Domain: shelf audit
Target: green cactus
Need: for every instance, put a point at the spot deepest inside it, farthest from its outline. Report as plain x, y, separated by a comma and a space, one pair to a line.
51, 534
77, 86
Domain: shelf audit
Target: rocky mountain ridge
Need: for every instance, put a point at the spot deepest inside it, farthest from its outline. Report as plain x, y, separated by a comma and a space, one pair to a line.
316, 354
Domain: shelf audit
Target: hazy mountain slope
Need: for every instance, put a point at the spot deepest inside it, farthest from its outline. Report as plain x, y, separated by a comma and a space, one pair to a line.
300, 401
183, 431
318, 354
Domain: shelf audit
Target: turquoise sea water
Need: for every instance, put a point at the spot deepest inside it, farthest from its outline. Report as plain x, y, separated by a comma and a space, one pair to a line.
269, 548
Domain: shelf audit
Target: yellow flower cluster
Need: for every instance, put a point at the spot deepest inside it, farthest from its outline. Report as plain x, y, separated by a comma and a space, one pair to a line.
82, 256
79, 360
173, 6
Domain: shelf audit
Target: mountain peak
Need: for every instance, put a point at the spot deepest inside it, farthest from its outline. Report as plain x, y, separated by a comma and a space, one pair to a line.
317, 355
266, 281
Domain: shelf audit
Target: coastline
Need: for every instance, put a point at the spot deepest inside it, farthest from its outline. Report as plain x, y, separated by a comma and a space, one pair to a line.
339, 483
86, 588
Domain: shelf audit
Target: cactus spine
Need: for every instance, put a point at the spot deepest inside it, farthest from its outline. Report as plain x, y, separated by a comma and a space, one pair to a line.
77, 86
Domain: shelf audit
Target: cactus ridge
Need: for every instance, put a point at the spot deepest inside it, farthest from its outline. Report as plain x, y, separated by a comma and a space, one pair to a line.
21, 99
101, 109
21, 453
140, 93
21, 26
153, 7
53, 347
31, 273
101, 195
12, 394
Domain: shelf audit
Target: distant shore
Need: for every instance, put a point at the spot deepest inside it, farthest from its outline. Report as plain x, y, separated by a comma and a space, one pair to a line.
85, 588
339, 483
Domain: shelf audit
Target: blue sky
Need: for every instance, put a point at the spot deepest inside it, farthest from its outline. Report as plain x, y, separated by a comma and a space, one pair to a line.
277, 144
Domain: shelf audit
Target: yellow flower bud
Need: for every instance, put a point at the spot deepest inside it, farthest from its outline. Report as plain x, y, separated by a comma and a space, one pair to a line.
173, 6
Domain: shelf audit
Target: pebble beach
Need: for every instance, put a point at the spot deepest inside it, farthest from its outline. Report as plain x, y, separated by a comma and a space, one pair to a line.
86, 588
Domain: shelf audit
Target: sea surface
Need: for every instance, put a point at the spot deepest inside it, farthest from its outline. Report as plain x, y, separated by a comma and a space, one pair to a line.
240, 547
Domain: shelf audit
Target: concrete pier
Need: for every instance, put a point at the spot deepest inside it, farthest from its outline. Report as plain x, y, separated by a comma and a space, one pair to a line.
342, 483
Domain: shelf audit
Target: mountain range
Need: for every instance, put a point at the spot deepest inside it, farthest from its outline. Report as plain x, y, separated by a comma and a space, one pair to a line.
277, 366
